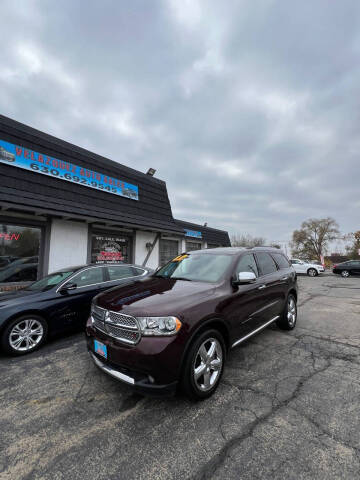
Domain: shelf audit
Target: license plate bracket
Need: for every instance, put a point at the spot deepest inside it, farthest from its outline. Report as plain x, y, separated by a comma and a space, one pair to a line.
100, 348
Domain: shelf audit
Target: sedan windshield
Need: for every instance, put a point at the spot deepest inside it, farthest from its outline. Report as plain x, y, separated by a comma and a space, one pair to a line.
50, 281
196, 267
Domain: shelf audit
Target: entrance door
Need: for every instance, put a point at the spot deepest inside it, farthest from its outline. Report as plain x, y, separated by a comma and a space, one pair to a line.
169, 249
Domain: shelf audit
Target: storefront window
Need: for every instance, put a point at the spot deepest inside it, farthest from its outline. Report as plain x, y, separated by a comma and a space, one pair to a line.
213, 245
110, 248
193, 246
168, 250
19, 255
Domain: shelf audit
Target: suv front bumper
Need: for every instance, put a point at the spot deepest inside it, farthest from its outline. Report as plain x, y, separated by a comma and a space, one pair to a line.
150, 367
139, 384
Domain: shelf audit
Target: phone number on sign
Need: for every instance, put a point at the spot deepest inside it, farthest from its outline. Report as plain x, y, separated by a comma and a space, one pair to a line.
73, 178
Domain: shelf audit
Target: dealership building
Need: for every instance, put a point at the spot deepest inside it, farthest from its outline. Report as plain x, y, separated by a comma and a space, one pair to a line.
62, 205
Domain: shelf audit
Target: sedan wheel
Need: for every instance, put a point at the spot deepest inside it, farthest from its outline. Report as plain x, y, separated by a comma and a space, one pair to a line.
312, 272
345, 273
24, 335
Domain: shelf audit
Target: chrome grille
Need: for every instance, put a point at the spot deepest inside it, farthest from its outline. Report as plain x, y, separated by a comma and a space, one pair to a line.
98, 315
122, 320
127, 336
99, 324
122, 327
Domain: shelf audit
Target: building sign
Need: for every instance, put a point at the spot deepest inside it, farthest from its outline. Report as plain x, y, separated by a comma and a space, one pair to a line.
192, 233
39, 163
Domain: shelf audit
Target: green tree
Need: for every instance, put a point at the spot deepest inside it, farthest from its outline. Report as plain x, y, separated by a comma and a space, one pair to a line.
313, 237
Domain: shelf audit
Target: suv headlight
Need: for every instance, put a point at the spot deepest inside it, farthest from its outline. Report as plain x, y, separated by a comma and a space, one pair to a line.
159, 325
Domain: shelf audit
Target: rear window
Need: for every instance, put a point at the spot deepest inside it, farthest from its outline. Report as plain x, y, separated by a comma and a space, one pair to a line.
281, 260
138, 271
266, 263
119, 272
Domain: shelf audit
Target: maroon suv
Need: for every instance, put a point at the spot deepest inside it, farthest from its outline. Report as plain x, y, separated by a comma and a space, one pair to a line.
175, 327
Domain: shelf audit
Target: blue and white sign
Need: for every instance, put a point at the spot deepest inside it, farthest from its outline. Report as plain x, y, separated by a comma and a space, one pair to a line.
39, 163
192, 233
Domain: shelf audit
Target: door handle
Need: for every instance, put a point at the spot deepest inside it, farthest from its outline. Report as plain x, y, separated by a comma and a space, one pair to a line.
261, 287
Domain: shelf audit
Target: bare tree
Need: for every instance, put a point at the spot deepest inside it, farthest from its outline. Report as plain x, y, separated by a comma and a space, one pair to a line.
246, 240
353, 250
313, 237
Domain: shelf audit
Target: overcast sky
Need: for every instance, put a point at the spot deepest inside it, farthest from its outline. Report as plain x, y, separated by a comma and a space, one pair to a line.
249, 110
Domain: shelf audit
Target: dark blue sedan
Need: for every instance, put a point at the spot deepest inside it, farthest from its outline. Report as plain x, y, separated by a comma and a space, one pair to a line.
56, 303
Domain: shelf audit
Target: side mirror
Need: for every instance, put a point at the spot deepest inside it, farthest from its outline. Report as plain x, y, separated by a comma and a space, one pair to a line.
67, 287
245, 277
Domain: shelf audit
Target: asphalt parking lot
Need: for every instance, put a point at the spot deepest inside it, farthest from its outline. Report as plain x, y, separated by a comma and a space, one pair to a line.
287, 408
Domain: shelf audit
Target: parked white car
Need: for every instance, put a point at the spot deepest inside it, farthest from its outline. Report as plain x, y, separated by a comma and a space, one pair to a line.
311, 269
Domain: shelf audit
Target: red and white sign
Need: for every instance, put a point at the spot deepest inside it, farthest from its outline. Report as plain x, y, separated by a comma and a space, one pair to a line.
10, 236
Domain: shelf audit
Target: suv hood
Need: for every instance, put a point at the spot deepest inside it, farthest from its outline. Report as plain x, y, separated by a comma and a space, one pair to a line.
154, 296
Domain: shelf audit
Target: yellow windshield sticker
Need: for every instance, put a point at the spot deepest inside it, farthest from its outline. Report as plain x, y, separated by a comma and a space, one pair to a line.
179, 258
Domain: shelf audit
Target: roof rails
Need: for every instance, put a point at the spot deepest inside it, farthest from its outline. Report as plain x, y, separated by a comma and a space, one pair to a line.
264, 247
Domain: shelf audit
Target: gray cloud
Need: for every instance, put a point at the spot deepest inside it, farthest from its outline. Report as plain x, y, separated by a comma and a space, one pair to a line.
248, 110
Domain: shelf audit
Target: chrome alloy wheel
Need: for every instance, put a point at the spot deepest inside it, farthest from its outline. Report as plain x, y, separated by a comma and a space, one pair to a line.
208, 364
291, 315
26, 335
312, 272
345, 273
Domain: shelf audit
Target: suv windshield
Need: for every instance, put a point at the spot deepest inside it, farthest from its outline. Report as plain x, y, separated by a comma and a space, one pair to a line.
50, 281
198, 268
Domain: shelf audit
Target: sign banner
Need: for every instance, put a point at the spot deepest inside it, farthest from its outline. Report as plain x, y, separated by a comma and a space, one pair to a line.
192, 233
39, 163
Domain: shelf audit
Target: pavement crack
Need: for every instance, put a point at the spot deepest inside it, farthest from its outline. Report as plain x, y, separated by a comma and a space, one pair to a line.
323, 431
78, 393
210, 468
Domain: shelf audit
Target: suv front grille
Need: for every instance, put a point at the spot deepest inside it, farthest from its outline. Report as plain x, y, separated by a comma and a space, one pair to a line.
98, 315
122, 320
122, 327
127, 336
99, 324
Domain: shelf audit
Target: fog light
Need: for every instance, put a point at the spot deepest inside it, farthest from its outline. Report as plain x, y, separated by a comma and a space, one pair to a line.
151, 379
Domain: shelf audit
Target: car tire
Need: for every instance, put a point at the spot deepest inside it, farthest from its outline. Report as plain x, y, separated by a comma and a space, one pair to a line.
206, 354
24, 335
312, 272
345, 273
288, 319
